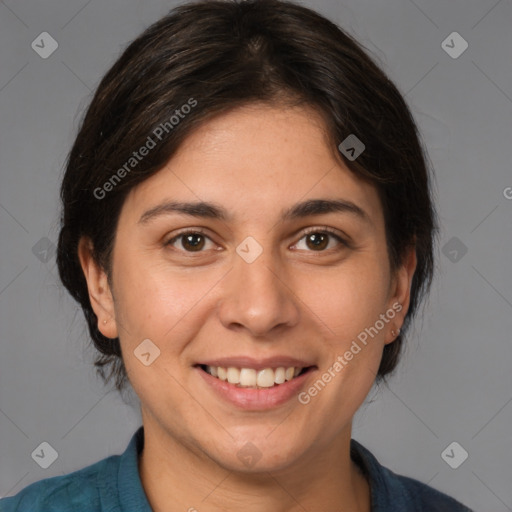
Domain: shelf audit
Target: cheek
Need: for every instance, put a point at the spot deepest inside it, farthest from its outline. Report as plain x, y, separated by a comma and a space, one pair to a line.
144, 302
348, 299
160, 303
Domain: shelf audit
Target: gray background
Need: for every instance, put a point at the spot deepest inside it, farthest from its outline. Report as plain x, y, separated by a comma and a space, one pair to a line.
454, 382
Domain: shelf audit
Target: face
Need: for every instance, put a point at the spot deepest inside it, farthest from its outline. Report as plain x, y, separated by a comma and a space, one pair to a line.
268, 285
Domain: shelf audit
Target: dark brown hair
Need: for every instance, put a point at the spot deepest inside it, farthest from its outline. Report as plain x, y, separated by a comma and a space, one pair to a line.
215, 56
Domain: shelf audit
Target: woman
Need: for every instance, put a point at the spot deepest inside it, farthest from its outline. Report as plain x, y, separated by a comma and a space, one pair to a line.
248, 228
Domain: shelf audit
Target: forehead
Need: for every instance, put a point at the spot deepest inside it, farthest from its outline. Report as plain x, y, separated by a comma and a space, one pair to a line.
257, 161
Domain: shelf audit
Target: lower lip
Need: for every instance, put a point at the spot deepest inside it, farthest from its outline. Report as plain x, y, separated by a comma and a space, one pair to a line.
256, 399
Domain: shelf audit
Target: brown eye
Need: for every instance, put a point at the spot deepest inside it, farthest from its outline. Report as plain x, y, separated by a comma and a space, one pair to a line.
195, 241
191, 241
317, 240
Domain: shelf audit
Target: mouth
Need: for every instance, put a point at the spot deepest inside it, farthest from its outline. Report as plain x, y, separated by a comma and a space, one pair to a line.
252, 378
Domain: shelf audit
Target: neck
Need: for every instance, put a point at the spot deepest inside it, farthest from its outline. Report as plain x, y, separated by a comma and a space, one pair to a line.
176, 478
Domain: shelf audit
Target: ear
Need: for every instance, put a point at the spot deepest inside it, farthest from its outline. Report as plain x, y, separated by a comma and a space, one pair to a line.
401, 292
100, 295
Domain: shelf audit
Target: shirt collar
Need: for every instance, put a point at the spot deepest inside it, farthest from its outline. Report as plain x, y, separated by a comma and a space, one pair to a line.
387, 491
131, 492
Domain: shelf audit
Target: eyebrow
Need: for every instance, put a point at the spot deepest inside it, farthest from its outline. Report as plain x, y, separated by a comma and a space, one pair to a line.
209, 210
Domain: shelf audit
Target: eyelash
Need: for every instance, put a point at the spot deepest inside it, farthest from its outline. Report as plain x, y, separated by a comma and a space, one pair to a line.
308, 231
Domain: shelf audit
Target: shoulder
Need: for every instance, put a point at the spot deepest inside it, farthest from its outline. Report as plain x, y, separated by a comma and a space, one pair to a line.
391, 491
422, 497
75, 491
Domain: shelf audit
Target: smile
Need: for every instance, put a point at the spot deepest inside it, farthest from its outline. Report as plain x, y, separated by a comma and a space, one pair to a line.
252, 378
254, 389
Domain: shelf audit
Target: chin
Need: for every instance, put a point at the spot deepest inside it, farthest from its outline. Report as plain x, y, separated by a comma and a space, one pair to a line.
257, 454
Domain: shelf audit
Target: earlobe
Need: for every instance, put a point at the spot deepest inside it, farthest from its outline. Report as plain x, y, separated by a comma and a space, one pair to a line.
405, 275
100, 294
401, 294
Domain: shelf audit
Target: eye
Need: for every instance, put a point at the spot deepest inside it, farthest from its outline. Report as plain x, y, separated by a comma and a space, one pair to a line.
317, 239
191, 241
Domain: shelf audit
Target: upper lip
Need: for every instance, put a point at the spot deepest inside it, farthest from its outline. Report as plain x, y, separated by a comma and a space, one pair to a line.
257, 364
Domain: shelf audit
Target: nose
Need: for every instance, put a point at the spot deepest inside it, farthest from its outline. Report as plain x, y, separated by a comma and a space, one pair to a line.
258, 297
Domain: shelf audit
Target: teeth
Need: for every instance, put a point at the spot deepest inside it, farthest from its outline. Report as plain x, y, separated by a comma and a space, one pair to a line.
279, 375
265, 378
249, 377
233, 375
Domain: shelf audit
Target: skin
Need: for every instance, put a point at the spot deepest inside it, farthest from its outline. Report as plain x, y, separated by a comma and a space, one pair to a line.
294, 299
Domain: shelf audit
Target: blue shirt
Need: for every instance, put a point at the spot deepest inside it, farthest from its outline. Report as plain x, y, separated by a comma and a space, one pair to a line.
113, 485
